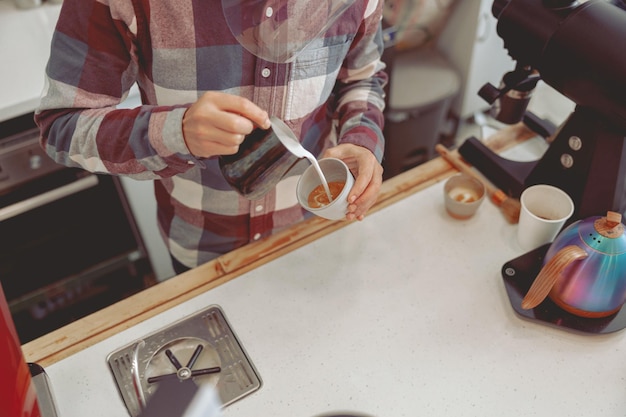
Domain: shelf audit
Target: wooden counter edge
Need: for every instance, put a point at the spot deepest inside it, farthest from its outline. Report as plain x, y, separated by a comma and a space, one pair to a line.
111, 320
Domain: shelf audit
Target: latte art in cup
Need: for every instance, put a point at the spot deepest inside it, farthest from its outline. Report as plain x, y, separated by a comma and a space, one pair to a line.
464, 195
318, 197
313, 197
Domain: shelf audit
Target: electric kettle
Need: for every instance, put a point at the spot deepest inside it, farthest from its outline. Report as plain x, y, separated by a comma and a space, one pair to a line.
584, 270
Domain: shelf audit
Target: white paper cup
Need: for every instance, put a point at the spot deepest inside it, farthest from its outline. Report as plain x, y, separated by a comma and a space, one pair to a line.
544, 210
335, 170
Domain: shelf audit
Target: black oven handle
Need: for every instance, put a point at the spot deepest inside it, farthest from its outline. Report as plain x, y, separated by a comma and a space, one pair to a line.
48, 197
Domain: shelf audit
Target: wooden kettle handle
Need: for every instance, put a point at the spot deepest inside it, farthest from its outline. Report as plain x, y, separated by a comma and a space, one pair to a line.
548, 275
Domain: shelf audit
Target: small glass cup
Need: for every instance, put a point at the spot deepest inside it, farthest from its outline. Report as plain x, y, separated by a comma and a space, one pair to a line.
463, 194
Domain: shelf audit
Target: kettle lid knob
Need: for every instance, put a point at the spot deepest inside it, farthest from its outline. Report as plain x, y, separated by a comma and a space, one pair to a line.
613, 218
610, 226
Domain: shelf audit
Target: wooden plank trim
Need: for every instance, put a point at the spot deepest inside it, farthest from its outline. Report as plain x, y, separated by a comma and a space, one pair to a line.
127, 313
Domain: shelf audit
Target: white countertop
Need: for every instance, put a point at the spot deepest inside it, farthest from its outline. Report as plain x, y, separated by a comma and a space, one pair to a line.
403, 314
25, 37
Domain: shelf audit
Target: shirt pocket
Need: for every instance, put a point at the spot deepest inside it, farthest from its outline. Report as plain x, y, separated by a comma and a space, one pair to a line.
313, 75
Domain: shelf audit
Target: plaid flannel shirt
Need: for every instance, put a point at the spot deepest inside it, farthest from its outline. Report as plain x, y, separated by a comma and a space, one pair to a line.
175, 50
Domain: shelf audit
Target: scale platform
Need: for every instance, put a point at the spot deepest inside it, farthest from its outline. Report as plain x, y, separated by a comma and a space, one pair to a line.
518, 275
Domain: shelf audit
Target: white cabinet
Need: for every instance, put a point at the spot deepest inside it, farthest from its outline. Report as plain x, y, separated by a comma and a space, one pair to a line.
25, 37
469, 40
140, 195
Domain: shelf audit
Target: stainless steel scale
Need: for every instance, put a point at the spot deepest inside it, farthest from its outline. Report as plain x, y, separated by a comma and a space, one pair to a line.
201, 347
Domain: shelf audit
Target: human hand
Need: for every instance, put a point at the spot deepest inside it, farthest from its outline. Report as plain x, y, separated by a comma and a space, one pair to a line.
218, 123
368, 177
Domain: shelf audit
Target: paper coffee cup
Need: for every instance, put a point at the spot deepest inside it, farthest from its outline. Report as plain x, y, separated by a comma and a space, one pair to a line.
544, 211
335, 171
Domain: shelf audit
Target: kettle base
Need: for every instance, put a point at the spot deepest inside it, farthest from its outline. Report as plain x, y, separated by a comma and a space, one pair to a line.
583, 313
519, 274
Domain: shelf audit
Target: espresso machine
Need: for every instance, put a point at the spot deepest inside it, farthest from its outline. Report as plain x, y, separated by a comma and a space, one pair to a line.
578, 48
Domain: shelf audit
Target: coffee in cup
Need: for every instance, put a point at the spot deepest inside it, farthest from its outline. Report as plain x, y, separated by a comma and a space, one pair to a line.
312, 194
319, 197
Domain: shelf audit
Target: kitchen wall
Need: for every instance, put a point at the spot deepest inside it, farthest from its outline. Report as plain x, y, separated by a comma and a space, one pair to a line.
469, 40
24, 47
25, 36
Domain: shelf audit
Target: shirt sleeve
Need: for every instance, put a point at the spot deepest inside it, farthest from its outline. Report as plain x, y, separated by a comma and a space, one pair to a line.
90, 71
360, 88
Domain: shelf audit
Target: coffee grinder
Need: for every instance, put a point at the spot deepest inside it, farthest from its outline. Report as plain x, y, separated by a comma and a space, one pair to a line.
578, 49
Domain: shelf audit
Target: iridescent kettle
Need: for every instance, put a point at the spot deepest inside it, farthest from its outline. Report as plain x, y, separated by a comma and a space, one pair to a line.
584, 270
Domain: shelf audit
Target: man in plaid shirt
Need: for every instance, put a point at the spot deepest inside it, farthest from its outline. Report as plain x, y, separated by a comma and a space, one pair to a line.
203, 89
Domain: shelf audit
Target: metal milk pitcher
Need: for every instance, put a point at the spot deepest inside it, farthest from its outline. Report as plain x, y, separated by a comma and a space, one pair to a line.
261, 162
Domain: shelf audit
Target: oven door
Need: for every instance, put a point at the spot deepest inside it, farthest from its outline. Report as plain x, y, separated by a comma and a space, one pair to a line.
69, 247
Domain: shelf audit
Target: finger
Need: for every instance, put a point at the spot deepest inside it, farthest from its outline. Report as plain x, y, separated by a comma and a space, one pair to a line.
204, 140
360, 205
235, 114
368, 176
226, 124
223, 145
364, 201
362, 180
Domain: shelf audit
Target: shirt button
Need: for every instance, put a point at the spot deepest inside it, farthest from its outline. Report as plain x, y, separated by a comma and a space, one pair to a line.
257, 236
259, 208
266, 72
269, 12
